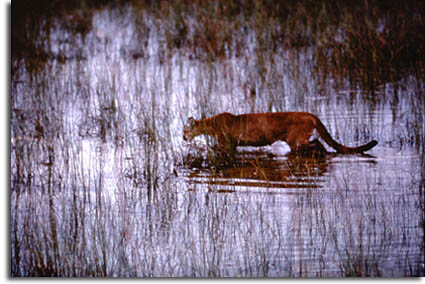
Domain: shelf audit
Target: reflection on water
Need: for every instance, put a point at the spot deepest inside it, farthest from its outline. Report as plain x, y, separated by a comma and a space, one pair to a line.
102, 183
337, 208
263, 171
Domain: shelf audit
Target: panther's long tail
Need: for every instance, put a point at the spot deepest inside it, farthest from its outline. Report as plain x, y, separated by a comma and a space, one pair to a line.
321, 129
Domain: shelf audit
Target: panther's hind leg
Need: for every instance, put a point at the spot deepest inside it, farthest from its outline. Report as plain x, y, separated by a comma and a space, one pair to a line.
299, 138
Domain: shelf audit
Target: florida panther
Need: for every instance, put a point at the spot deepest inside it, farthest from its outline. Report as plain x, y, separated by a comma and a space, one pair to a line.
260, 129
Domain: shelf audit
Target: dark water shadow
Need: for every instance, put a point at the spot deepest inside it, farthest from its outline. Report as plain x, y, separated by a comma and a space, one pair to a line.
262, 170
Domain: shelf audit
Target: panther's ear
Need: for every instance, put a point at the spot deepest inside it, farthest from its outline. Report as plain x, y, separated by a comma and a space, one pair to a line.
191, 121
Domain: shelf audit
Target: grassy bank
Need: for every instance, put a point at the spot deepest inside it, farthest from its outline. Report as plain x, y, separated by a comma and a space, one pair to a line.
371, 42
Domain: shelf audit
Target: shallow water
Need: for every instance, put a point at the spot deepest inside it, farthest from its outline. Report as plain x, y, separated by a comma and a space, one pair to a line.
102, 183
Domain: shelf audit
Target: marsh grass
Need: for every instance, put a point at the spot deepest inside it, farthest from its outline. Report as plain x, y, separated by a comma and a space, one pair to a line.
101, 179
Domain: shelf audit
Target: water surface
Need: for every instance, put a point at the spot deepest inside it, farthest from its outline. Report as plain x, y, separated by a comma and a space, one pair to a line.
102, 183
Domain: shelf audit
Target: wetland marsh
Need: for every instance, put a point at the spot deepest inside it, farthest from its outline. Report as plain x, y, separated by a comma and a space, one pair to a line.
102, 183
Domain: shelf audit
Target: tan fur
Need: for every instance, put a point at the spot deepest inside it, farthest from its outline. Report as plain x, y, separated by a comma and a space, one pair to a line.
259, 129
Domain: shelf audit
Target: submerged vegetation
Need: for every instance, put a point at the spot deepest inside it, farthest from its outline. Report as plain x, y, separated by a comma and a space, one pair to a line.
102, 183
